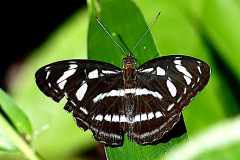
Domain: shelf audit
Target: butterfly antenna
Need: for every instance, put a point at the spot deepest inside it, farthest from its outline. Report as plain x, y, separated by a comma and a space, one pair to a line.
110, 36
147, 31
124, 44
128, 50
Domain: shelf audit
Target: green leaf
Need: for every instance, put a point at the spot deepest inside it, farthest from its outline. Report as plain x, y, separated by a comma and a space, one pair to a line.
5, 143
100, 47
16, 116
16, 127
18, 140
225, 32
12, 156
149, 152
130, 26
222, 141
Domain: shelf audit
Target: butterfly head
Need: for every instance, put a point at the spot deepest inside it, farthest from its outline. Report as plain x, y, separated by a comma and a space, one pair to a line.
129, 62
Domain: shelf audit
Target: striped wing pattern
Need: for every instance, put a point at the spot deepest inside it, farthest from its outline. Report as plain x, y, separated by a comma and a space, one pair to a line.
96, 95
174, 80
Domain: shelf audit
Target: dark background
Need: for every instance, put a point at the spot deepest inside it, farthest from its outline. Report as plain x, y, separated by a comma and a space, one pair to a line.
27, 24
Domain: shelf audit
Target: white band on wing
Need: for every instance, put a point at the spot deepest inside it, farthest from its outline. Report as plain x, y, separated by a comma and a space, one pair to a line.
123, 92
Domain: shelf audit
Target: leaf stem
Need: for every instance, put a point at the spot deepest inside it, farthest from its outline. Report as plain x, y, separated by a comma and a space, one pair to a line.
16, 139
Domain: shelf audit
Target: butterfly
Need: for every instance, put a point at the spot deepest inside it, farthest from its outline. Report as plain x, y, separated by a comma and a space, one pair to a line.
145, 102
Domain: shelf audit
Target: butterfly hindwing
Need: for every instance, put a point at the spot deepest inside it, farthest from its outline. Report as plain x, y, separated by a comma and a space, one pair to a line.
98, 116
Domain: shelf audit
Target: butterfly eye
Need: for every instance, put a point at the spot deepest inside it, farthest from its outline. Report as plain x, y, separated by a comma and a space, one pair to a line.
129, 60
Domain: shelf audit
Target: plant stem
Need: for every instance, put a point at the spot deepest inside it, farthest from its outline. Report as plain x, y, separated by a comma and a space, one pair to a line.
17, 140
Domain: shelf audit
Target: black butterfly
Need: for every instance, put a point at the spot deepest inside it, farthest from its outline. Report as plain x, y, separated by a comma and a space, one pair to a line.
145, 102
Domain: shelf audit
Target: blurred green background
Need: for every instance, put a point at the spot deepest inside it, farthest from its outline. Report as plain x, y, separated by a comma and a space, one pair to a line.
206, 29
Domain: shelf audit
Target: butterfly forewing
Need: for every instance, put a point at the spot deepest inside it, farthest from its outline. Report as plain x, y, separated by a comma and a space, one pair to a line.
60, 77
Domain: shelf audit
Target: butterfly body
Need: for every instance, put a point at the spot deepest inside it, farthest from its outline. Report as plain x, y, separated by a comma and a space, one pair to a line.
129, 82
145, 101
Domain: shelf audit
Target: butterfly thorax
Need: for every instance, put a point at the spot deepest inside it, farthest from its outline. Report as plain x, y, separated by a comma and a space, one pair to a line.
129, 71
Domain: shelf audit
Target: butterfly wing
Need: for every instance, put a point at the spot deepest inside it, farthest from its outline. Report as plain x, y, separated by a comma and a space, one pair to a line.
80, 81
169, 83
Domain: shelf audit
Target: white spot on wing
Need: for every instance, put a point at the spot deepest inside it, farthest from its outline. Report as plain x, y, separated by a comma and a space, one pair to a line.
185, 90
150, 115
187, 79
84, 110
123, 118
179, 99
137, 118
143, 116
172, 89
84, 122
48, 67
48, 73
199, 69
73, 103
193, 85
177, 62
147, 70
107, 117
129, 91
140, 91
81, 91
98, 98
170, 107
115, 118
160, 71
116, 93
183, 70
66, 74
62, 84
198, 79
99, 117
73, 66
144, 91
158, 114
109, 72
93, 74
